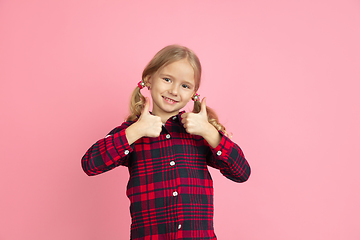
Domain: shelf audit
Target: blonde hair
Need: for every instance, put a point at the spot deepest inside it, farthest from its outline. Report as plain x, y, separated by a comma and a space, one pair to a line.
164, 57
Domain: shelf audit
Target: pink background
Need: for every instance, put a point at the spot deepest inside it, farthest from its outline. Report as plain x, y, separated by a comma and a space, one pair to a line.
282, 75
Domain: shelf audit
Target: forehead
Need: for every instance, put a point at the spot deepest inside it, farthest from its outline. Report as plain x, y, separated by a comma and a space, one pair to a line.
181, 70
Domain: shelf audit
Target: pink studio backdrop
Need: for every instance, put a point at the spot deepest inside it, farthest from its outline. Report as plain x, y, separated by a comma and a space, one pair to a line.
282, 75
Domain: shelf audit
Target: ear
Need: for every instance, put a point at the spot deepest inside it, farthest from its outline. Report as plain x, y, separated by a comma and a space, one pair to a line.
147, 81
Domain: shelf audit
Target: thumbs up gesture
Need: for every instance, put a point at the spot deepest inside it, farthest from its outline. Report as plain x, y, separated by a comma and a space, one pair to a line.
197, 123
149, 125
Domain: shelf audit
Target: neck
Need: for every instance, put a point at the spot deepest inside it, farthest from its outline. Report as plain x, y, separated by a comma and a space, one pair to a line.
164, 116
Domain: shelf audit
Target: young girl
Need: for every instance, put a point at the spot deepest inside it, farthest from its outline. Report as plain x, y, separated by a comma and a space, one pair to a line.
167, 152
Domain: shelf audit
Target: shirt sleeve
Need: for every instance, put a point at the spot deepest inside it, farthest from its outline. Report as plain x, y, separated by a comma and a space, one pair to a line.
108, 153
230, 160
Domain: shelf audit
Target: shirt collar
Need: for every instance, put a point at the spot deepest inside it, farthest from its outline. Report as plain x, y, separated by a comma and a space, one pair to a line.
176, 117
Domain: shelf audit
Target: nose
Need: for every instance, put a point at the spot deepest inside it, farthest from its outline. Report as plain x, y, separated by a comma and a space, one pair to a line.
174, 90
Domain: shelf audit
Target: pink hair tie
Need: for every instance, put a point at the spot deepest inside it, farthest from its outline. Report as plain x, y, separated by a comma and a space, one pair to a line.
196, 97
141, 84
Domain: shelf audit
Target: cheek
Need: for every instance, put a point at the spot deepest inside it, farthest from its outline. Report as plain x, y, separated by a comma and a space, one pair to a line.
187, 95
159, 87
154, 88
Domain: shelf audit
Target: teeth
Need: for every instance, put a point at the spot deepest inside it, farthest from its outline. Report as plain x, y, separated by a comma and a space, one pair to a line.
168, 99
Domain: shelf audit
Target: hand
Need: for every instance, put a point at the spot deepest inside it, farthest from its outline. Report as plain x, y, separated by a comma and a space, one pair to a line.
197, 123
149, 125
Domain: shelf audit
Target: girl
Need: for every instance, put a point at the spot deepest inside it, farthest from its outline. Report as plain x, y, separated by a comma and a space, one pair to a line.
167, 152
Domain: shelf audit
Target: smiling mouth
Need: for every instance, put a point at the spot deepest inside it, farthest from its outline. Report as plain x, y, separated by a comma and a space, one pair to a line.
169, 100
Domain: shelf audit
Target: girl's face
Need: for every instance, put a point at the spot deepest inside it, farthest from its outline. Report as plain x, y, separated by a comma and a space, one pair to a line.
172, 88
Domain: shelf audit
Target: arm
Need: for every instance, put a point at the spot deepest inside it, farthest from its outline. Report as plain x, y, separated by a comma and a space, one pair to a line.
225, 154
114, 149
107, 153
230, 160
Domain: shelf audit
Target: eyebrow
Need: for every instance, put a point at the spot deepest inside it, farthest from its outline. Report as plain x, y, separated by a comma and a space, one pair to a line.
167, 75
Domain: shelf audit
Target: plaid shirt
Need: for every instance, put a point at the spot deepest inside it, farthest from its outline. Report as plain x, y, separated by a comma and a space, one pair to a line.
170, 188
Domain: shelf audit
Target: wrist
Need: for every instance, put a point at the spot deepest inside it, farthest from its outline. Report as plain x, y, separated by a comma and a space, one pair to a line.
133, 133
213, 137
138, 129
209, 131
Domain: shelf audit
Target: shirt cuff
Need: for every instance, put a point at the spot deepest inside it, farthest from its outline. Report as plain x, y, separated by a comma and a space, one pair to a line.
224, 148
120, 143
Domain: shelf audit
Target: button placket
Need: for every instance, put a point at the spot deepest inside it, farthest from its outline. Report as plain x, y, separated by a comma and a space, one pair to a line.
174, 192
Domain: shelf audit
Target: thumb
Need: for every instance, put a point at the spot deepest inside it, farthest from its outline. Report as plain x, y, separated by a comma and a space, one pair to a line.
146, 106
203, 106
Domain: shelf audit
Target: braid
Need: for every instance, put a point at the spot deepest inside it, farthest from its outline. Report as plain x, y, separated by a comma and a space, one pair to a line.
137, 102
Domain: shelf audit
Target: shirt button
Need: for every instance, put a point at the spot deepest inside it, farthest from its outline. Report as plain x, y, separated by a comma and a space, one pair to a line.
126, 152
175, 193
218, 153
174, 117
172, 163
179, 226
167, 136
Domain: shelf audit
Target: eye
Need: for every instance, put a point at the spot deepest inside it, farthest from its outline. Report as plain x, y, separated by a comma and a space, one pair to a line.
185, 86
167, 79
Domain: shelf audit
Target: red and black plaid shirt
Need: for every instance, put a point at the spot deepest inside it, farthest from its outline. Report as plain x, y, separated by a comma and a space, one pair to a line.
170, 188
